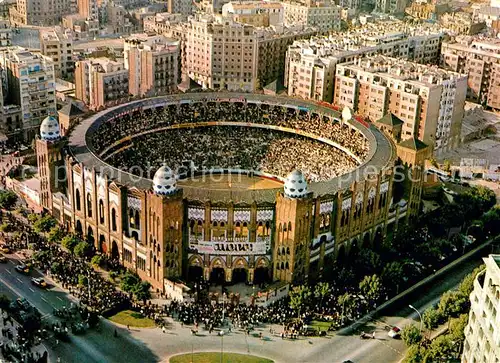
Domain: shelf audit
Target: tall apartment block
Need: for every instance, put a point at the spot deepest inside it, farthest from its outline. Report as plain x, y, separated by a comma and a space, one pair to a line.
5, 33
42, 12
482, 333
430, 101
100, 82
57, 43
480, 58
323, 14
89, 8
30, 85
310, 64
222, 54
184, 7
390, 6
153, 63
256, 13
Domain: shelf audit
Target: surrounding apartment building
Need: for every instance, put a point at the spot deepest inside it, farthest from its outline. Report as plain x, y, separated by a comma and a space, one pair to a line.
461, 23
256, 13
350, 4
322, 14
82, 28
5, 33
222, 54
480, 58
89, 8
390, 6
100, 82
429, 100
153, 63
57, 43
41, 12
30, 84
427, 10
5, 6
482, 333
310, 64
162, 22
184, 7
116, 19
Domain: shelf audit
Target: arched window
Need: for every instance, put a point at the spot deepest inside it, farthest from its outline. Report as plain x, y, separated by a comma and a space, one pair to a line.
131, 218
89, 205
78, 200
289, 226
137, 219
101, 211
113, 219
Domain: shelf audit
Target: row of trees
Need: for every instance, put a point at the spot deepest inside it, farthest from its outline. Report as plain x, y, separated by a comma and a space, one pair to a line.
453, 309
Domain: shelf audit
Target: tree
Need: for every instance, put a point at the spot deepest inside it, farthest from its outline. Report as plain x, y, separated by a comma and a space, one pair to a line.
457, 327
367, 262
447, 165
452, 304
371, 288
142, 291
475, 202
431, 318
414, 354
96, 260
392, 275
44, 224
33, 217
4, 302
411, 335
55, 235
129, 281
69, 242
7, 199
347, 302
467, 284
83, 249
56, 268
83, 280
491, 221
299, 296
5, 227
439, 350
321, 290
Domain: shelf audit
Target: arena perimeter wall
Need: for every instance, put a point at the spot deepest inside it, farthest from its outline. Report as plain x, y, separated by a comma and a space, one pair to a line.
382, 152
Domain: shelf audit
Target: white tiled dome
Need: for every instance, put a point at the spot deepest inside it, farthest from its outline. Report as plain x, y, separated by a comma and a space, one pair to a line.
295, 185
49, 129
164, 181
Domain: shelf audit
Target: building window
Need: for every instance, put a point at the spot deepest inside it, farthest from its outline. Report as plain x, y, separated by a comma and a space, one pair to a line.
78, 200
89, 205
113, 219
101, 211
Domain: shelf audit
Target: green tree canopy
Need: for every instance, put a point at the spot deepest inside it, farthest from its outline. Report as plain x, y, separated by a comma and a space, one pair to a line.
83, 249
347, 303
97, 260
452, 304
7, 199
367, 262
55, 235
321, 290
392, 275
299, 297
431, 318
414, 354
129, 281
69, 242
44, 224
56, 268
457, 327
371, 288
411, 335
83, 280
142, 291
439, 350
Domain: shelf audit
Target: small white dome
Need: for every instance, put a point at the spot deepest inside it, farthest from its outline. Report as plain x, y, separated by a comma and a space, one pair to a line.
295, 185
49, 129
164, 181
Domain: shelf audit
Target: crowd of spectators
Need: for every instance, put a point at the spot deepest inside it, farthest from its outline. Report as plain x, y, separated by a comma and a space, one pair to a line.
227, 150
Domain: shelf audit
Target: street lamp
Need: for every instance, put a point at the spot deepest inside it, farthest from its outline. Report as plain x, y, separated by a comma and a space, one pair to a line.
418, 312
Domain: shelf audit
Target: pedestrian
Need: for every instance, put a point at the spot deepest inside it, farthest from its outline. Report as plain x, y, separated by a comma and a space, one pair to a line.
128, 327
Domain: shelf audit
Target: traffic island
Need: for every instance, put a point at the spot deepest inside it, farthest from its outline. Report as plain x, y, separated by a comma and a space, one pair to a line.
214, 357
132, 319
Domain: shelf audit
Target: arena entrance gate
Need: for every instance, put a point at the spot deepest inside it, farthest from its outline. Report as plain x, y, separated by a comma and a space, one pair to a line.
261, 275
239, 275
115, 254
217, 275
195, 273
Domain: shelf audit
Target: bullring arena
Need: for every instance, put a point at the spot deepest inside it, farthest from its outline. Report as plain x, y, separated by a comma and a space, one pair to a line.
222, 186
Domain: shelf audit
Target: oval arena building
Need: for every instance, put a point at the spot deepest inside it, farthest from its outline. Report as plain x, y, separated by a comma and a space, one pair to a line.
225, 186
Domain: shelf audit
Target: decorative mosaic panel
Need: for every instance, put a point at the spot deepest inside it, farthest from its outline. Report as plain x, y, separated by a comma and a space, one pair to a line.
371, 193
88, 185
242, 215
346, 204
196, 214
134, 203
359, 198
264, 215
101, 192
77, 179
384, 187
218, 215
99, 180
326, 207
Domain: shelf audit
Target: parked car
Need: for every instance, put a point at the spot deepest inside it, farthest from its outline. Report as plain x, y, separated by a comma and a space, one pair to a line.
395, 332
38, 281
22, 268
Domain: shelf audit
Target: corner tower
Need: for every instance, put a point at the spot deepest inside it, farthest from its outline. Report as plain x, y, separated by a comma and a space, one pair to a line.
293, 234
50, 161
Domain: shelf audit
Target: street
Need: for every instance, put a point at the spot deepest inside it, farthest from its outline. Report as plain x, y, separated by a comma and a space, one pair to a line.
151, 345
89, 348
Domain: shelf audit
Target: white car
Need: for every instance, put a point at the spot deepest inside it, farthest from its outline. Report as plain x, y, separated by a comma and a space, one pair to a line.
395, 332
